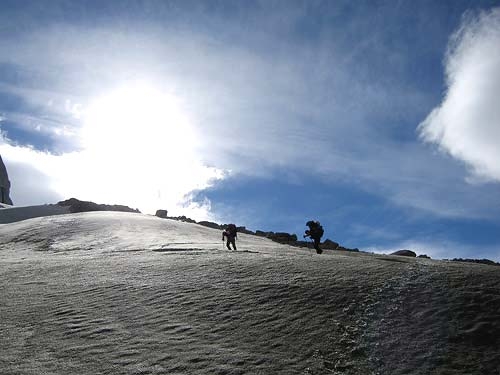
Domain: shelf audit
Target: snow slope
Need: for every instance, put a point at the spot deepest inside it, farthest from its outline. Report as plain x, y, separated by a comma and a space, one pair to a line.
10, 214
120, 293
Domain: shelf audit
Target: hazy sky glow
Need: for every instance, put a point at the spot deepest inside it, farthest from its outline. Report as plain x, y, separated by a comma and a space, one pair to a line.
378, 119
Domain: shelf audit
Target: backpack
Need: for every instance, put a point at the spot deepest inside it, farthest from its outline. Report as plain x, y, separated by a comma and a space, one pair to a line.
231, 229
320, 230
316, 229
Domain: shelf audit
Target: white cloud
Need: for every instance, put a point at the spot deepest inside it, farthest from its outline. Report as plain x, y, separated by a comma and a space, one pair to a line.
467, 123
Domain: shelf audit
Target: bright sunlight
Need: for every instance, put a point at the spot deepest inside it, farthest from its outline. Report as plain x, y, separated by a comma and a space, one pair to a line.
139, 117
139, 147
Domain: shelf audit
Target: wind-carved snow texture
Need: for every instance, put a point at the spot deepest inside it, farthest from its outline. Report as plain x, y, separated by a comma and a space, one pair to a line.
119, 293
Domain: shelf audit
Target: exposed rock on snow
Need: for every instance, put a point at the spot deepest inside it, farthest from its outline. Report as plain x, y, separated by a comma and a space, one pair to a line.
76, 205
4, 184
242, 229
210, 224
162, 214
183, 218
480, 261
283, 237
405, 253
329, 244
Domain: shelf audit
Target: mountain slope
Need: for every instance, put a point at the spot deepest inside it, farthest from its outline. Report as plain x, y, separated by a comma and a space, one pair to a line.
119, 293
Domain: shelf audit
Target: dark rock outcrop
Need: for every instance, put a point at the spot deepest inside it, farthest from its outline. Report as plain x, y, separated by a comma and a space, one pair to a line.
282, 237
479, 261
245, 230
162, 214
4, 184
183, 219
210, 224
331, 245
76, 205
405, 253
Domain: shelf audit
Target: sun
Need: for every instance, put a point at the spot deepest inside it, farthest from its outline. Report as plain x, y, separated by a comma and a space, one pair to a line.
138, 117
139, 148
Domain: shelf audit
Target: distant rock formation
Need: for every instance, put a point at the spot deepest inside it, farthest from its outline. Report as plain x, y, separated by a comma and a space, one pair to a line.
76, 205
329, 244
183, 219
405, 253
4, 184
479, 261
283, 238
280, 237
210, 224
162, 214
424, 256
245, 230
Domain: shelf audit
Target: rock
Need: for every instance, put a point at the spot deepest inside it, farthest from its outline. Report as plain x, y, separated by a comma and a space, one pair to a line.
162, 214
282, 237
342, 248
210, 224
245, 230
76, 205
405, 253
479, 261
184, 219
331, 245
424, 256
4, 184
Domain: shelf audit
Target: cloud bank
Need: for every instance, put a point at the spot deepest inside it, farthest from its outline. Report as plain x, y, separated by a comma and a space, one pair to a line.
467, 123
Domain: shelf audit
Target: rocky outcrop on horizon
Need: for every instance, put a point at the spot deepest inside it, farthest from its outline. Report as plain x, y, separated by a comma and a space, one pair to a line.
76, 205
282, 237
479, 261
210, 224
4, 184
163, 214
405, 253
182, 218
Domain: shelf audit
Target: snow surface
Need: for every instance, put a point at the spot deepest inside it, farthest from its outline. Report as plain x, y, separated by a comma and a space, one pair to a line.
122, 293
10, 214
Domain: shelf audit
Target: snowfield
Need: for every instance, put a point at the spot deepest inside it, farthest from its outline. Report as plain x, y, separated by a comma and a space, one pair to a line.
9, 214
121, 293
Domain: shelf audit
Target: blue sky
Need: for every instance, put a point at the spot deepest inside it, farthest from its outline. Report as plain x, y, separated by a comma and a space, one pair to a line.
378, 118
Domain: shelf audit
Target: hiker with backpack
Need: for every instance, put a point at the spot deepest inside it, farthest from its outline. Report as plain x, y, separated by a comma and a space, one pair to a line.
230, 233
315, 232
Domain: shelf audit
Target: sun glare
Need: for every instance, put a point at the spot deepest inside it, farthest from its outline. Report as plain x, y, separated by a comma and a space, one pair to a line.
138, 117
139, 149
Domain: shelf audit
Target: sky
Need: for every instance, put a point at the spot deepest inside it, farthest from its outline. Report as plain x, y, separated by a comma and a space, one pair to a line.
380, 119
